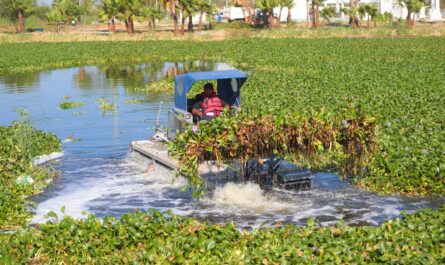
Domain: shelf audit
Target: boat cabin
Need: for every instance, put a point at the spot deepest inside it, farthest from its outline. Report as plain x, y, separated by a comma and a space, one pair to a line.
228, 87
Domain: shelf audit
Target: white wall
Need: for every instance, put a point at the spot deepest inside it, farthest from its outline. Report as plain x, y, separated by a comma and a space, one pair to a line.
299, 12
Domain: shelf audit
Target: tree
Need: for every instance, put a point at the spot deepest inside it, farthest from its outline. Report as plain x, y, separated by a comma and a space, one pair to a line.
327, 12
281, 4
55, 17
362, 13
128, 9
64, 10
173, 10
315, 12
267, 6
188, 9
352, 13
110, 10
191, 10
289, 4
150, 11
150, 14
16, 11
204, 7
85, 8
413, 7
372, 11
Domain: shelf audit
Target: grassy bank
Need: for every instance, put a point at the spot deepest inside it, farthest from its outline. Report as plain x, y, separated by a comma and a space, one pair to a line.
19, 177
154, 238
399, 81
226, 31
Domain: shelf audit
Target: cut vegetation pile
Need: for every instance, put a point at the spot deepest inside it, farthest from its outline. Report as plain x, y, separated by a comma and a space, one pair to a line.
324, 141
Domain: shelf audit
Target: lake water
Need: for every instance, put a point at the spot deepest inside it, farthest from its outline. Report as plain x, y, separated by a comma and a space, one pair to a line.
99, 175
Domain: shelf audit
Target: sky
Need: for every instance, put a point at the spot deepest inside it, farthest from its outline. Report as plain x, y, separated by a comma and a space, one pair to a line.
44, 2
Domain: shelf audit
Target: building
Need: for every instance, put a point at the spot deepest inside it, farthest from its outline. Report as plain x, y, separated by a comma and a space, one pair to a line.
301, 9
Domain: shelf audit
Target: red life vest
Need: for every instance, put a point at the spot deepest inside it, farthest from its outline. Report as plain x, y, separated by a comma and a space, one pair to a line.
212, 106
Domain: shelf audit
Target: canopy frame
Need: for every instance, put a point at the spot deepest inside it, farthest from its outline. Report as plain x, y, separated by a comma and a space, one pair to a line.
229, 83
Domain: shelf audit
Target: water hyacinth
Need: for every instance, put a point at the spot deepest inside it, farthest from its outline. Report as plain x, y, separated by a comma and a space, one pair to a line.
153, 237
20, 143
336, 75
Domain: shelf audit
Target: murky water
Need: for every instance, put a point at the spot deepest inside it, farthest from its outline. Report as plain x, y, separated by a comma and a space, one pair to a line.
100, 176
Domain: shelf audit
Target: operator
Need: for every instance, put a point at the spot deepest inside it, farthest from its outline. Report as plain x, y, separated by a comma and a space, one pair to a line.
208, 105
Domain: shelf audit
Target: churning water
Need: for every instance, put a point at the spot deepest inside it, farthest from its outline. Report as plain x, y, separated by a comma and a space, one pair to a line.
100, 176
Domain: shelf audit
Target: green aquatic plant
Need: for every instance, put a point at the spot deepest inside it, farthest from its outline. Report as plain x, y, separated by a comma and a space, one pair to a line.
133, 101
104, 105
71, 104
156, 238
288, 76
166, 85
19, 144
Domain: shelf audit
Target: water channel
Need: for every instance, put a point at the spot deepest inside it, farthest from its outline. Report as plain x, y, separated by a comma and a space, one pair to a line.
99, 175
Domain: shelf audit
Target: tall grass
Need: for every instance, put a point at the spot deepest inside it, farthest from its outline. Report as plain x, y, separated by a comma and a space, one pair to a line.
23, 137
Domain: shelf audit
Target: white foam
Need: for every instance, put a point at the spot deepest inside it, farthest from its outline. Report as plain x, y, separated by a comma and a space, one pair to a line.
249, 197
128, 178
314, 212
39, 160
113, 187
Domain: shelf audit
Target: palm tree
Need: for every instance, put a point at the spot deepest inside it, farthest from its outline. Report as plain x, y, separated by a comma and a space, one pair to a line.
150, 14
315, 10
372, 11
67, 9
127, 9
203, 7
413, 7
16, 11
362, 13
268, 6
289, 4
326, 13
188, 9
110, 10
174, 4
281, 4
352, 13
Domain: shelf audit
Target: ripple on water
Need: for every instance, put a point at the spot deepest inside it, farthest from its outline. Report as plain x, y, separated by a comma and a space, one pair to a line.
117, 186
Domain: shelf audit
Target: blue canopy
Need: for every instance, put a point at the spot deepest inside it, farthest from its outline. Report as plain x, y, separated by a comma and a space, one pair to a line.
229, 83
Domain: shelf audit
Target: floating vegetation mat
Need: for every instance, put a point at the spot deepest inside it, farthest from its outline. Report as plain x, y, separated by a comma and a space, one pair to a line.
71, 104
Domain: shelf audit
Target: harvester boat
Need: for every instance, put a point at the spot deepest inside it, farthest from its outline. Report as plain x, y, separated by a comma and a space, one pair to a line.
272, 172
